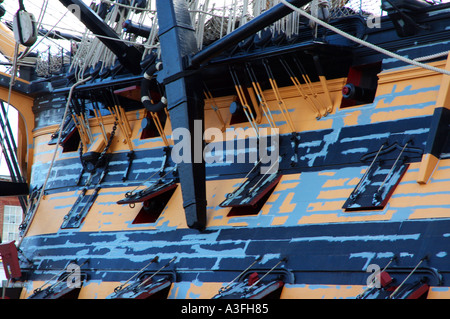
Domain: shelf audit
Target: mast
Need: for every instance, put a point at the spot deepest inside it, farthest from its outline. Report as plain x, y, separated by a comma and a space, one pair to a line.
185, 102
181, 61
184, 90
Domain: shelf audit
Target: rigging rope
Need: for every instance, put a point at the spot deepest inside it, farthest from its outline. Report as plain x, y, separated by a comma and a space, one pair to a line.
365, 43
225, 288
41, 194
354, 193
299, 88
243, 100
144, 282
261, 97
281, 105
214, 106
118, 288
392, 168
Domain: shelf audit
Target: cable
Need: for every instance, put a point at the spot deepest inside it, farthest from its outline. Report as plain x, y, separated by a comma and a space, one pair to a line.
69, 99
365, 43
432, 56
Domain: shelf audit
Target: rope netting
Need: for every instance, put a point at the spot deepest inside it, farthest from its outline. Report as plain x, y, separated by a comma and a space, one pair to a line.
215, 19
212, 19
343, 8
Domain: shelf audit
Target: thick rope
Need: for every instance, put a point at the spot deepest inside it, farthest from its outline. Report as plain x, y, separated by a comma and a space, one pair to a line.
364, 43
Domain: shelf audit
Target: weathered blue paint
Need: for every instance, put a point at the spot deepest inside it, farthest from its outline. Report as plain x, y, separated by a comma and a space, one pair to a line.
347, 249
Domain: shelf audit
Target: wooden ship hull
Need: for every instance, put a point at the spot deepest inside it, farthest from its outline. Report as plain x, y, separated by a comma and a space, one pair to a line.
361, 188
